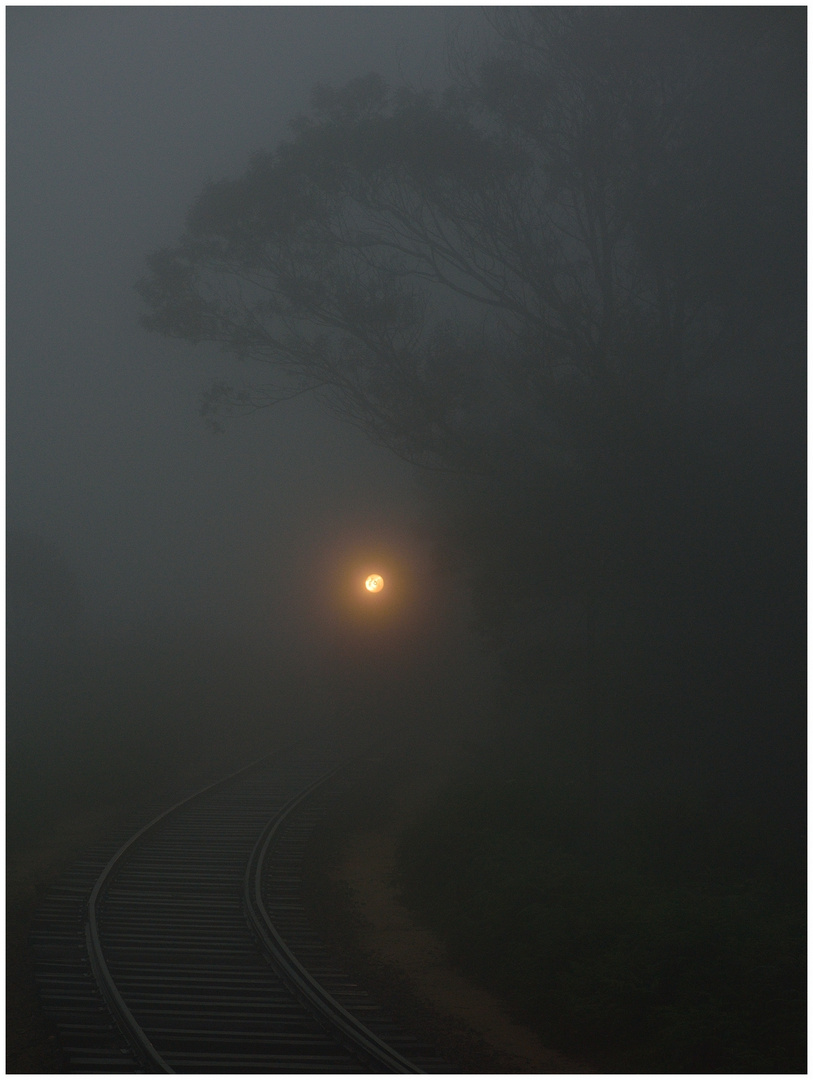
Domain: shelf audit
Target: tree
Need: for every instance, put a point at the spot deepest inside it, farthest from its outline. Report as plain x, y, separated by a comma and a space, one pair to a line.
548, 282
562, 200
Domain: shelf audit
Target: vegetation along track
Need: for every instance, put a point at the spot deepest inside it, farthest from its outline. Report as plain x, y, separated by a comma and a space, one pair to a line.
186, 947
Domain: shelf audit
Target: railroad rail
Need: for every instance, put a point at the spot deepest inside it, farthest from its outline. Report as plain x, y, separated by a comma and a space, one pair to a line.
186, 947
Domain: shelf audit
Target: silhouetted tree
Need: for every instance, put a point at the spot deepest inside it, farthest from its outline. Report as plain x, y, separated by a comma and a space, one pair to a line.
568, 195
551, 282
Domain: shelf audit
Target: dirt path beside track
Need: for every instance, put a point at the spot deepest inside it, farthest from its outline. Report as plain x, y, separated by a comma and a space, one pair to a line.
357, 908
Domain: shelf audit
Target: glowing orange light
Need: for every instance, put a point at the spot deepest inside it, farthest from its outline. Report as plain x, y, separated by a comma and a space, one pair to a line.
374, 583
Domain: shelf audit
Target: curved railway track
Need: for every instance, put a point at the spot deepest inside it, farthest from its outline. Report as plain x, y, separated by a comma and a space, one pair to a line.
186, 948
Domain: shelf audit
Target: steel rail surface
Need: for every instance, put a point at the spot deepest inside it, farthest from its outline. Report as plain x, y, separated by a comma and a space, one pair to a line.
352, 1032
328, 1013
130, 1027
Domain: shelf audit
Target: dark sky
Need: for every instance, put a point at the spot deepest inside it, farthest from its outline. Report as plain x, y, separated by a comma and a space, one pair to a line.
116, 119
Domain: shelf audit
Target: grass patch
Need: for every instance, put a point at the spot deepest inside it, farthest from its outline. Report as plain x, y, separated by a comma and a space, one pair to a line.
660, 938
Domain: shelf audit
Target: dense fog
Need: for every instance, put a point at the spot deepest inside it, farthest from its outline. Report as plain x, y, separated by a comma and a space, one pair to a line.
136, 530
505, 306
116, 120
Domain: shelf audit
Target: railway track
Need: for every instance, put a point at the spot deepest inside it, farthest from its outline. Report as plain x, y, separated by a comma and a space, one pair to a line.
185, 947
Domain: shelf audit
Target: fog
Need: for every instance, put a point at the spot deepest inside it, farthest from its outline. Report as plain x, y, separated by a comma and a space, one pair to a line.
116, 118
506, 306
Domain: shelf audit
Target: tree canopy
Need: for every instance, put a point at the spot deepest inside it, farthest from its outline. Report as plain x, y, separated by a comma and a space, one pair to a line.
558, 280
563, 238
